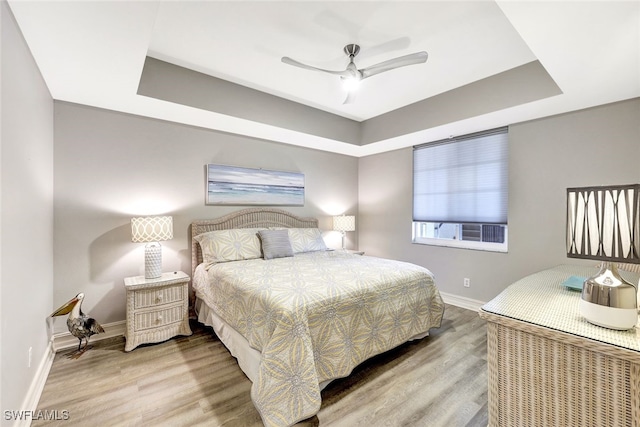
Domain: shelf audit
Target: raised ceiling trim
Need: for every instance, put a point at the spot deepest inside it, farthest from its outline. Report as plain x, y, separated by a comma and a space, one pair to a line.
172, 83
168, 82
517, 86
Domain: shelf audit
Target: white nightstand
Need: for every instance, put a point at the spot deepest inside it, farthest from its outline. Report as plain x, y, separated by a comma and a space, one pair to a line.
157, 309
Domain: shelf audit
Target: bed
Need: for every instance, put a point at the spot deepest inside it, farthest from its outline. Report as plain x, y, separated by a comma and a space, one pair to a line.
297, 315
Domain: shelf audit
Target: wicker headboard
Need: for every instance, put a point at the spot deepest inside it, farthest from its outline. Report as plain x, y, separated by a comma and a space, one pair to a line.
246, 218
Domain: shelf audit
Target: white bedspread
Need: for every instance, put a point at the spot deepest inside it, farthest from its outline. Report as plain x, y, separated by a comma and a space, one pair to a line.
316, 316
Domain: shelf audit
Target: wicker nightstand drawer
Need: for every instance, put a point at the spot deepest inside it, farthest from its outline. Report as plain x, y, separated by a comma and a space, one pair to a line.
155, 318
153, 297
157, 309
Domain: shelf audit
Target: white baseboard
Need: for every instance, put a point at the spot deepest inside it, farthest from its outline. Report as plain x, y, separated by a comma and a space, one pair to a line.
463, 302
32, 398
65, 340
58, 342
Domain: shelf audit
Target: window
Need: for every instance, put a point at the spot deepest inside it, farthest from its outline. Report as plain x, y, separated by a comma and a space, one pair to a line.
460, 191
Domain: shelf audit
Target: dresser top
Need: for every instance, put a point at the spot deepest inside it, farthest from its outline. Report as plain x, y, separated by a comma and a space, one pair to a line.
541, 299
165, 279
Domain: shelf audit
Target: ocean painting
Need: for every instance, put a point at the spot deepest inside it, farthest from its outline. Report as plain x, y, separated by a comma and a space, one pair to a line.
231, 185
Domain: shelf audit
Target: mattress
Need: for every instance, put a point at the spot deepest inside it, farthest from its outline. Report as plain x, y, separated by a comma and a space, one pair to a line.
298, 322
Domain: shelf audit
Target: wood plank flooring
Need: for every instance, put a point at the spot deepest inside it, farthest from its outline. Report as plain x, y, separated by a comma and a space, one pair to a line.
438, 381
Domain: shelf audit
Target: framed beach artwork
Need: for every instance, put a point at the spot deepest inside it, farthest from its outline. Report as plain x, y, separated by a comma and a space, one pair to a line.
231, 185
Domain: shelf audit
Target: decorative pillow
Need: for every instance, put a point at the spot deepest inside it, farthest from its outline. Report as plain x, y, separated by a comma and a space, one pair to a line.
229, 245
275, 244
634, 268
306, 240
629, 267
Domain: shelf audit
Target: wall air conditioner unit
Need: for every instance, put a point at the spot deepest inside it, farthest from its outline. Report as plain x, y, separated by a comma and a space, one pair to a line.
489, 233
472, 232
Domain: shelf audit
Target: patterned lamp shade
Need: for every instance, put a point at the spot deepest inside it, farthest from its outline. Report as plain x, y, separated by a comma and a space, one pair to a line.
344, 223
151, 229
604, 223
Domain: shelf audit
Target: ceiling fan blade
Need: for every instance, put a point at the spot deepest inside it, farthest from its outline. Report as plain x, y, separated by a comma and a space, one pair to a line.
351, 97
402, 61
295, 63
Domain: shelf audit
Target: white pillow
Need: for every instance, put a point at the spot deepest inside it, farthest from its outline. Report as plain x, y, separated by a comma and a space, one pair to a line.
306, 240
635, 268
229, 245
629, 267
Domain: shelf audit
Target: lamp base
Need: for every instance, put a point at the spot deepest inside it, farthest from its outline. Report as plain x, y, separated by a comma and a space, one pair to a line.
608, 300
609, 317
152, 261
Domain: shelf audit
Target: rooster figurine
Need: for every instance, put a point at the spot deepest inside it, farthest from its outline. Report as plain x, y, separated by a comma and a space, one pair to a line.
80, 325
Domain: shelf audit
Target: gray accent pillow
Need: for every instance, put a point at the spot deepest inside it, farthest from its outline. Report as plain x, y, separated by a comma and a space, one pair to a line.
275, 244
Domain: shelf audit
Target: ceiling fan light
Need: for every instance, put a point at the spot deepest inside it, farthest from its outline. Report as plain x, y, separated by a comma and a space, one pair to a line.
350, 84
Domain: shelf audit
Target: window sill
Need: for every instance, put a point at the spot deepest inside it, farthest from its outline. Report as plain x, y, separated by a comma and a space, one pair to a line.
463, 244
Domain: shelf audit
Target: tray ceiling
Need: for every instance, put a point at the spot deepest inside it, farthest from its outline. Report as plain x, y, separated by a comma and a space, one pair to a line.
216, 64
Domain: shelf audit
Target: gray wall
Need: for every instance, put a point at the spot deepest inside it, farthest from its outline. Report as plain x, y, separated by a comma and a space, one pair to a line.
110, 167
26, 215
597, 146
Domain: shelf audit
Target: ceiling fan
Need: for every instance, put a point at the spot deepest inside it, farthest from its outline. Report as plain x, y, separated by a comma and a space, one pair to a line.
352, 76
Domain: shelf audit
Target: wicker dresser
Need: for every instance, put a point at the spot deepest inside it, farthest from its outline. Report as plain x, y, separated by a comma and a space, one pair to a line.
157, 309
548, 367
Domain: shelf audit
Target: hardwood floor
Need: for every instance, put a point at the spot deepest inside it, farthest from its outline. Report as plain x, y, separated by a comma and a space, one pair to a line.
440, 380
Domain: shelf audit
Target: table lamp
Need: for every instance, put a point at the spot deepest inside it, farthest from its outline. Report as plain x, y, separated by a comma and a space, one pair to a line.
603, 223
152, 230
344, 223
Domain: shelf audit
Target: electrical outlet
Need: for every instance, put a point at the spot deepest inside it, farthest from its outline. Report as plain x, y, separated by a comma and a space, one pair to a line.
467, 282
29, 358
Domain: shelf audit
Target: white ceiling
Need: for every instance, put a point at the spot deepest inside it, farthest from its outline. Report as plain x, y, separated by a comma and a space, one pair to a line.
93, 52
243, 42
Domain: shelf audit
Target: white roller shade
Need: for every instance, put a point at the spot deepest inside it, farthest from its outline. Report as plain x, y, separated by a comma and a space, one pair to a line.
462, 180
